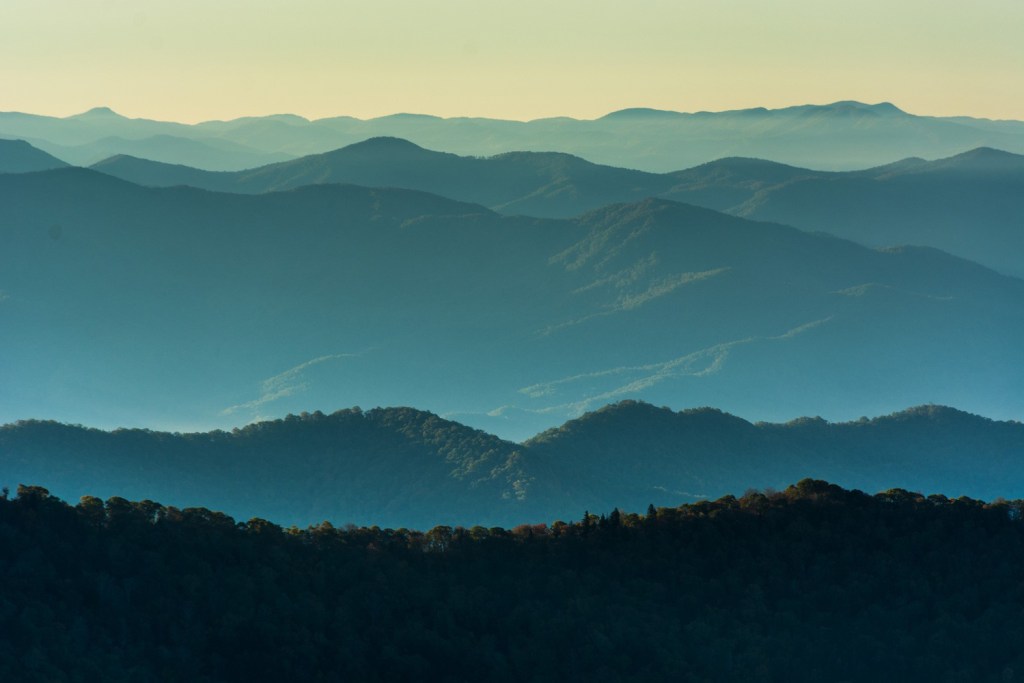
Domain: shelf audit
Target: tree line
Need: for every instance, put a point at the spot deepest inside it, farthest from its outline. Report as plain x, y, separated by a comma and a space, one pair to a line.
811, 583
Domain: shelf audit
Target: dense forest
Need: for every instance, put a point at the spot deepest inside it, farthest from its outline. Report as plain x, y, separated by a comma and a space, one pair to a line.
808, 584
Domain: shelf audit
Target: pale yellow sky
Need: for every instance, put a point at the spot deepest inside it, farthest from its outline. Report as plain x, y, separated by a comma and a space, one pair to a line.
192, 60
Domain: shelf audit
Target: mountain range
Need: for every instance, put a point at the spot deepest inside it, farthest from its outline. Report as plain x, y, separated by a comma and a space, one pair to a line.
399, 467
968, 204
570, 296
168, 307
838, 136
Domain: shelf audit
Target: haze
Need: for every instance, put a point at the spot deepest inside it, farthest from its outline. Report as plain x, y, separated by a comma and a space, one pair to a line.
188, 60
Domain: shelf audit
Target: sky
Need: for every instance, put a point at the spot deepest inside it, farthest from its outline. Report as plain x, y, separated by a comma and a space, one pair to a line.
194, 60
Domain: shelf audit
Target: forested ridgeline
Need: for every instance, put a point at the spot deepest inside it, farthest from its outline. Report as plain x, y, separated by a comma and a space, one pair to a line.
404, 467
812, 583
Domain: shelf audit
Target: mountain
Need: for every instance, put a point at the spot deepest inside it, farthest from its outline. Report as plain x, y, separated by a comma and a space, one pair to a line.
170, 149
726, 183
966, 204
101, 114
160, 174
631, 452
385, 466
99, 133
18, 156
839, 136
533, 183
399, 467
174, 307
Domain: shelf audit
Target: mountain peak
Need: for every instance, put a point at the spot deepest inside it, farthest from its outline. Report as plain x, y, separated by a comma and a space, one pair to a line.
373, 147
934, 413
97, 113
854, 105
642, 113
405, 116
985, 153
981, 158
846, 108
383, 142
376, 148
939, 417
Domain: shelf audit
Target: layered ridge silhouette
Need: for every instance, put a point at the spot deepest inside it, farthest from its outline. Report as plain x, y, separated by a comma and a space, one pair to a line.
126, 303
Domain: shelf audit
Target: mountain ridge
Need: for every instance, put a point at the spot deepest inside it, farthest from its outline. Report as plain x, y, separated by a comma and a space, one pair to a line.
193, 303
541, 183
858, 135
409, 467
963, 204
19, 156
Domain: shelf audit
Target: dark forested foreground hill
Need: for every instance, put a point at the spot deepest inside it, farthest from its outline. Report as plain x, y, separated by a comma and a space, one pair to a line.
122, 305
811, 584
402, 467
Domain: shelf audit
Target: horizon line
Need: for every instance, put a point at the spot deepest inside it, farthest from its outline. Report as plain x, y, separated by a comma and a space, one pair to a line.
101, 110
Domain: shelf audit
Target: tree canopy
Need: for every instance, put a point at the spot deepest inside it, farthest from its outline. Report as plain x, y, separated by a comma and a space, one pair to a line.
811, 583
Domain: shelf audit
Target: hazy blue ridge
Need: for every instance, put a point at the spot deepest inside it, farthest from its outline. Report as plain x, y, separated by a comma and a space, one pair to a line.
967, 204
839, 136
124, 305
18, 156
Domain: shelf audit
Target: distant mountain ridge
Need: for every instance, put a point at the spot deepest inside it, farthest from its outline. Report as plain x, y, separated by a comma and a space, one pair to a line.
403, 467
839, 136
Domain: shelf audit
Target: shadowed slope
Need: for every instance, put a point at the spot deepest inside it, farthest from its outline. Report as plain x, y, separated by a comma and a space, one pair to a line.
547, 184
18, 156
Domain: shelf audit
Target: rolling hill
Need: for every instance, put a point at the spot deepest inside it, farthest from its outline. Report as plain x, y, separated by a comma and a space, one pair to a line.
399, 467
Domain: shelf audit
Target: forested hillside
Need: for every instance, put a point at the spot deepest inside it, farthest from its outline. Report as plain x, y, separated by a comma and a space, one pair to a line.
403, 467
813, 583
